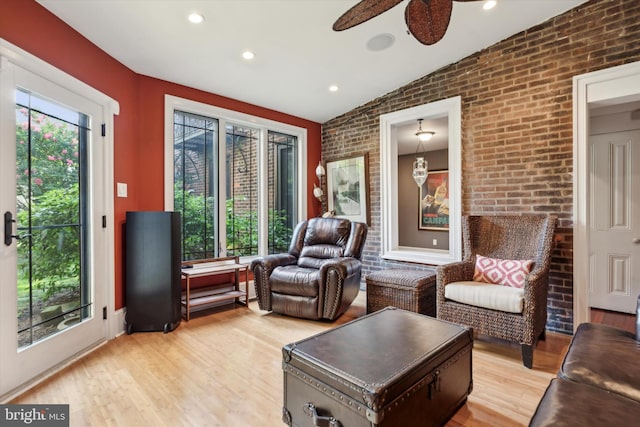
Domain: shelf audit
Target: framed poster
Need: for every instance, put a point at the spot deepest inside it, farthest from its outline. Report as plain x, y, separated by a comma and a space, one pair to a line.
434, 202
348, 189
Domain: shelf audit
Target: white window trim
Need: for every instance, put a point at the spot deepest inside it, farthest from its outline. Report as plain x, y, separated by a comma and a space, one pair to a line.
390, 247
172, 103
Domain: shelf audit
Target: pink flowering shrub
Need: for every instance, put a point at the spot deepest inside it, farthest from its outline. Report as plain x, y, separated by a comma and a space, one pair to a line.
48, 189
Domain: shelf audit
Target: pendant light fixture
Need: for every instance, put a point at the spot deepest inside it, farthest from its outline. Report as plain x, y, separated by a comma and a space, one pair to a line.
420, 171
420, 165
423, 135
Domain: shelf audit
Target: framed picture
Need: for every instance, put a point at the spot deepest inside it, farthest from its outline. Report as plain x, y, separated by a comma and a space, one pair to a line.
348, 188
434, 202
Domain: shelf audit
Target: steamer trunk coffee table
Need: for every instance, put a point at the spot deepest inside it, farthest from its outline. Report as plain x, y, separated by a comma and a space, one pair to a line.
389, 368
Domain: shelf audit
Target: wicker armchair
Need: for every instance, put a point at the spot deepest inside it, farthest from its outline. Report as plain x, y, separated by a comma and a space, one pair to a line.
525, 237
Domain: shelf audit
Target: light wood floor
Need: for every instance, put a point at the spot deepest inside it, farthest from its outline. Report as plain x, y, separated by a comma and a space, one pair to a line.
224, 369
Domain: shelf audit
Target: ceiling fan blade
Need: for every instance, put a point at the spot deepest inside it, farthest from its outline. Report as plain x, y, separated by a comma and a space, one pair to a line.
428, 19
362, 12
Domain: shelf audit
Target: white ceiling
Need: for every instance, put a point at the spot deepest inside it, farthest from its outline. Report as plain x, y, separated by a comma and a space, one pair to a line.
298, 55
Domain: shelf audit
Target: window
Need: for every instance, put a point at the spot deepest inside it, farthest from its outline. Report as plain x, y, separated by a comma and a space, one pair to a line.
240, 191
242, 186
194, 149
282, 190
51, 213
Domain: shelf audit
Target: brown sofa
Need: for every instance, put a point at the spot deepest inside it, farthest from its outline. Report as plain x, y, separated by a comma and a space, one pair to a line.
598, 383
320, 275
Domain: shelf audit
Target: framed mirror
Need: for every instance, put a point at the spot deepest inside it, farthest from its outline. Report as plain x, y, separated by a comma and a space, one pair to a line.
402, 209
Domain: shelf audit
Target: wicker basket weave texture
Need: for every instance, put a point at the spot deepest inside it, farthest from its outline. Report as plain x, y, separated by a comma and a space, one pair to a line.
504, 237
412, 290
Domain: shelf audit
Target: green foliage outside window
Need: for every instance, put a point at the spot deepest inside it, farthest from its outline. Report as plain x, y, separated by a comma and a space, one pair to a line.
49, 188
242, 231
55, 252
53, 181
197, 223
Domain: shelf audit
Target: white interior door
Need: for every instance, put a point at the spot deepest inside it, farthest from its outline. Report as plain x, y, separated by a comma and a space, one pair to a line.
52, 276
615, 221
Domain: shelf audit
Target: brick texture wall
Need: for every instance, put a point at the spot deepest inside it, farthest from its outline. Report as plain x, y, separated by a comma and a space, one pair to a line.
517, 138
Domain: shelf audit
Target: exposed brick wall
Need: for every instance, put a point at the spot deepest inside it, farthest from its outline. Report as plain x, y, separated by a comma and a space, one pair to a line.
517, 138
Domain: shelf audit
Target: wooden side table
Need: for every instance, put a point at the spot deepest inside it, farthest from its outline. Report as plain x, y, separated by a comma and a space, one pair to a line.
209, 295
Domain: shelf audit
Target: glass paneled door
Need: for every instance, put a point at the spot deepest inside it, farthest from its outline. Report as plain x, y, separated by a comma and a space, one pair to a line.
52, 295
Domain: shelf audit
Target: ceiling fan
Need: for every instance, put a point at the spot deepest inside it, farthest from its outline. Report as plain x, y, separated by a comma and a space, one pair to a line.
427, 20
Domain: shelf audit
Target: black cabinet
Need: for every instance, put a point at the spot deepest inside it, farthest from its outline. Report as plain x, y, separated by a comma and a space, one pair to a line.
153, 282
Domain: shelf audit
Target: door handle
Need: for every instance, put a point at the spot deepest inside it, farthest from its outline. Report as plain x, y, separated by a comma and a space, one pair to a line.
8, 229
636, 240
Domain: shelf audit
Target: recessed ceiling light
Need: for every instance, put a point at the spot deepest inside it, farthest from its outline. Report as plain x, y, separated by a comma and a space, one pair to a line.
196, 18
333, 88
247, 54
489, 4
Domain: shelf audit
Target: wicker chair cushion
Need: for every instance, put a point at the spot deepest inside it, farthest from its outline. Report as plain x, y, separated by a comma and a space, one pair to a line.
506, 272
486, 295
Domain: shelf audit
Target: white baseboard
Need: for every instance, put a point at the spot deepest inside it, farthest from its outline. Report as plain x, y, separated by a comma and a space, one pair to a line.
118, 326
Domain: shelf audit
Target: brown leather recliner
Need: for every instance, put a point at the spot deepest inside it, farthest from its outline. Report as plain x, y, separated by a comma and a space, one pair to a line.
320, 275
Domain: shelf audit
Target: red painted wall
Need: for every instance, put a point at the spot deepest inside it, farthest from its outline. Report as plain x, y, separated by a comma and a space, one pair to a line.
139, 128
151, 141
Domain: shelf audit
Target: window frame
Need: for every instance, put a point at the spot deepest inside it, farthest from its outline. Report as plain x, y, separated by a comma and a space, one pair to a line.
280, 203
208, 181
390, 247
225, 116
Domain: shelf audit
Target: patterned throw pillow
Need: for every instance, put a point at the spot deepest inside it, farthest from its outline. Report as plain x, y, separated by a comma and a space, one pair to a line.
506, 272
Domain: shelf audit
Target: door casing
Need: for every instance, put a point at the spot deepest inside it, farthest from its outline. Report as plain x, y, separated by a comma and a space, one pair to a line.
605, 87
11, 57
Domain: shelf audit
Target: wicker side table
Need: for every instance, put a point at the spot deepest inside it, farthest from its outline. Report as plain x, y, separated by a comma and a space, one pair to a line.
413, 290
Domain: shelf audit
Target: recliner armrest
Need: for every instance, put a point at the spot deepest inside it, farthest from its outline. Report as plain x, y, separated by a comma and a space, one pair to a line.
262, 268
346, 266
340, 283
269, 262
